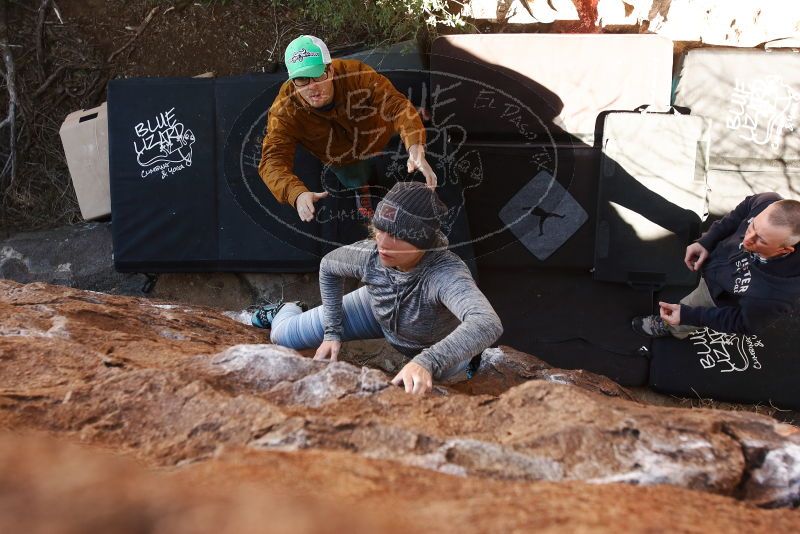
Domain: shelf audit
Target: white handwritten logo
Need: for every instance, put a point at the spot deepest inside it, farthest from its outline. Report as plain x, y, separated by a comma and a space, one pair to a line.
301, 54
741, 283
763, 109
163, 145
727, 352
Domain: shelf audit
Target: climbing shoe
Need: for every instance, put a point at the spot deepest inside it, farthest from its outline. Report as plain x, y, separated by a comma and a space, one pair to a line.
263, 316
650, 326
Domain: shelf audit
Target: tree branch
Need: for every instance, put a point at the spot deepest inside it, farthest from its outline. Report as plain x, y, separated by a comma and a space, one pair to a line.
10, 120
40, 17
139, 31
49, 80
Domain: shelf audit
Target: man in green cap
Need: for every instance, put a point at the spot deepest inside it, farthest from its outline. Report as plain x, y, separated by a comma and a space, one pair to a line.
343, 112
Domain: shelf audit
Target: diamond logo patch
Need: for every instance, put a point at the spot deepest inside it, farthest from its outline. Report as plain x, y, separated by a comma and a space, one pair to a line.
543, 215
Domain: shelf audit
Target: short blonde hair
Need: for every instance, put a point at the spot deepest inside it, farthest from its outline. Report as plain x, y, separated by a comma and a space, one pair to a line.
786, 213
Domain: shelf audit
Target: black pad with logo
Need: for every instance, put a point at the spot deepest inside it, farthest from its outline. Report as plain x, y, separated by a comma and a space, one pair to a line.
172, 206
162, 157
528, 122
732, 367
186, 194
523, 214
752, 98
530, 186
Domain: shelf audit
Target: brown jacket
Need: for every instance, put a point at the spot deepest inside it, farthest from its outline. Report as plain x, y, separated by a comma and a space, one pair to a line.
367, 112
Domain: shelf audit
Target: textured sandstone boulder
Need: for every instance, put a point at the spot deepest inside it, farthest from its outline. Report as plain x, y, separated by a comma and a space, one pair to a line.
235, 291
503, 368
80, 256
52, 487
287, 378
177, 385
48, 486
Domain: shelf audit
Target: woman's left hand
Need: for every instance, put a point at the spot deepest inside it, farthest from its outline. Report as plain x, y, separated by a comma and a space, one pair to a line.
415, 378
328, 350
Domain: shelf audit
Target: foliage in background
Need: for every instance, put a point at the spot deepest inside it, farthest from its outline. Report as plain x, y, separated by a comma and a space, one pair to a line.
376, 22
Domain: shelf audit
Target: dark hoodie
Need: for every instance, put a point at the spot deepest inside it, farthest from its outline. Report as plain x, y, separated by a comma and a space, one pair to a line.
434, 313
750, 293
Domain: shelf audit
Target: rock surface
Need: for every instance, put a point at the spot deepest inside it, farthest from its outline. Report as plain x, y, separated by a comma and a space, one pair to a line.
503, 368
190, 390
48, 486
76, 256
80, 256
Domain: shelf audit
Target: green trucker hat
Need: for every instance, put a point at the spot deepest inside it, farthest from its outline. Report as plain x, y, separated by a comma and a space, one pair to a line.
306, 57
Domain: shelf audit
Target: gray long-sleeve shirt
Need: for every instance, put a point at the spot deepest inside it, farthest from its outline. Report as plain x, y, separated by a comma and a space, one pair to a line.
434, 313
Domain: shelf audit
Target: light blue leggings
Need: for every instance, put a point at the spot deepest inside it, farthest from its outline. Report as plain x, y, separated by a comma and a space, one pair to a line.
296, 329
293, 328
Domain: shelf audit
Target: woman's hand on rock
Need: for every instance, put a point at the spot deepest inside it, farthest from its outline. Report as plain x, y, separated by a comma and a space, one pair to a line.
329, 350
415, 378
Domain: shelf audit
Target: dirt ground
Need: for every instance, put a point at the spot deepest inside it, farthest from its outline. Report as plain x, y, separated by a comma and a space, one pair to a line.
185, 38
65, 55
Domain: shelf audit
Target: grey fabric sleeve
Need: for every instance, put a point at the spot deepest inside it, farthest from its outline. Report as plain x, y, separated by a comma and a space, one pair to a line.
480, 326
345, 262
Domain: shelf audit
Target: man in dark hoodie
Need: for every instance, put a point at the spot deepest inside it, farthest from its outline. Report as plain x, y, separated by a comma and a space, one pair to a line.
750, 272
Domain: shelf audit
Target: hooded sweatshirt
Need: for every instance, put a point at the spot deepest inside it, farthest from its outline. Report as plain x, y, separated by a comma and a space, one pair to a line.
367, 111
434, 313
749, 292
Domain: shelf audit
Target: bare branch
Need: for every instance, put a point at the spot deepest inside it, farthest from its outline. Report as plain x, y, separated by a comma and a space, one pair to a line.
57, 12
10, 120
41, 15
139, 31
49, 80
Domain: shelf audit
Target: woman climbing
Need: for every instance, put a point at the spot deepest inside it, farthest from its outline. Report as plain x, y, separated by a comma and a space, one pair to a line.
417, 294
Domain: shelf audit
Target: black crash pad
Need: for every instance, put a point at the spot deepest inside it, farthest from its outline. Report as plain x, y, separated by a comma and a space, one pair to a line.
759, 369
571, 321
530, 186
561, 80
185, 191
525, 125
170, 214
162, 158
523, 214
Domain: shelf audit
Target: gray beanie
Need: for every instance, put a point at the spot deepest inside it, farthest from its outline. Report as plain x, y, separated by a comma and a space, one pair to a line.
410, 211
